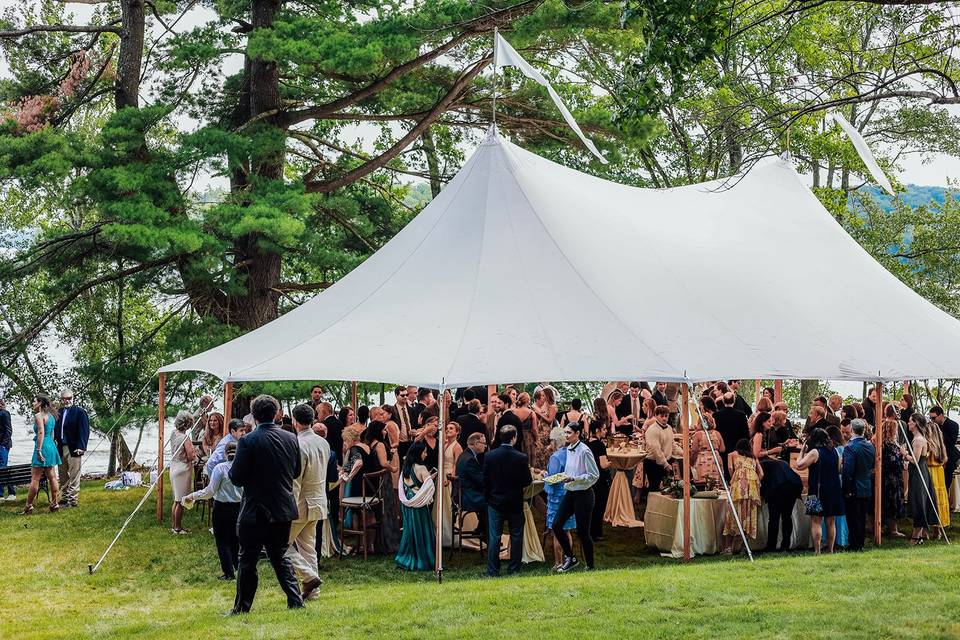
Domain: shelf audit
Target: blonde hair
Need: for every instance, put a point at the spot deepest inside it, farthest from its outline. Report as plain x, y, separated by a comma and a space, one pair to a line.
523, 399
183, 421
779, 418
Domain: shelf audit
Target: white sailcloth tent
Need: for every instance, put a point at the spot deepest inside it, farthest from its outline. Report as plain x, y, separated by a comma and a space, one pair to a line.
522, 269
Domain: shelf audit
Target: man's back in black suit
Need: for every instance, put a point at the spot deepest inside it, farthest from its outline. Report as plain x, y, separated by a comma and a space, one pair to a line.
506, 472
335, 435
266, 463
470, 423
732, 426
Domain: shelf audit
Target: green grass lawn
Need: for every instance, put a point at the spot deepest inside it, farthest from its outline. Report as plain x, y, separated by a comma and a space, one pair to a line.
157, 585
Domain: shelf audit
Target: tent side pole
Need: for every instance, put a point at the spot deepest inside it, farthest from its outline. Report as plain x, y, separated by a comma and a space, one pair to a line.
906, 386
353, 396
756, 391
441, 478
778, 390
227, 402
685, 435
160, 420
878, 467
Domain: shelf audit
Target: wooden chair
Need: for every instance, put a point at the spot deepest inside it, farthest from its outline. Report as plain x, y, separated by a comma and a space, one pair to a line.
368, 503
459, 515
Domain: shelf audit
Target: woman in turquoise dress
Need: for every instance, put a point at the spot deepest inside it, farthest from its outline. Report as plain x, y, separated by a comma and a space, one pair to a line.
417, 545
45, 456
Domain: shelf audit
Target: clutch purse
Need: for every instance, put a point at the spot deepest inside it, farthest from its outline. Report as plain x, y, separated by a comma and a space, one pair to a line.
812, 505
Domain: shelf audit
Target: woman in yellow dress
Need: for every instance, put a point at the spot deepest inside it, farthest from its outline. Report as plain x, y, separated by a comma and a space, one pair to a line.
745, 477
935, 462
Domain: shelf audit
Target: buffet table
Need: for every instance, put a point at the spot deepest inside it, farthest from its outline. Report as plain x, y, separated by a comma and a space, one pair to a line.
620, 511
663, 525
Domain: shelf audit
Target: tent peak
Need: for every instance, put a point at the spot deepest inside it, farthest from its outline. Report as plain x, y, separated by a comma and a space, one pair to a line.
493, 135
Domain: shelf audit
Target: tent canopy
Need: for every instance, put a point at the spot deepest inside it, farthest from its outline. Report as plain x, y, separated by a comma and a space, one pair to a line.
523, 269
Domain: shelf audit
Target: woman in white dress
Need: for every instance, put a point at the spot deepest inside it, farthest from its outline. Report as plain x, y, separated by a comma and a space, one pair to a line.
183, 455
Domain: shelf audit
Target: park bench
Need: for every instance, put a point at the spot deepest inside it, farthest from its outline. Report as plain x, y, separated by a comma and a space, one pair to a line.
19, 475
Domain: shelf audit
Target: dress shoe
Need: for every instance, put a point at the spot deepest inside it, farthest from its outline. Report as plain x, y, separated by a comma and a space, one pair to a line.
309, 587
568, 563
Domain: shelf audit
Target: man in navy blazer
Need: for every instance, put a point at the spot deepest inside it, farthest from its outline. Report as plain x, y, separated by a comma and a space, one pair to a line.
266, 464
71, 434
859, 457
470, 476
506, 472
950, 431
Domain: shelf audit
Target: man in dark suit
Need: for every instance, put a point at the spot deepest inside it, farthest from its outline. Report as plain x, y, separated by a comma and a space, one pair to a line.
859, 457
471, 423
870, 407
828, 416
949, 428
780, 488
816, 419
470, 477
405, 418
6, 443
506, 472
739, 403
507, 417
71, 435
334, 427
266, 464
731, 425
659, 394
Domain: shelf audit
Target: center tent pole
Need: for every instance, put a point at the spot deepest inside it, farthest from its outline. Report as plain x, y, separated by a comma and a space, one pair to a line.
685, 434
778, 390
878, 467
439, 493
227, 403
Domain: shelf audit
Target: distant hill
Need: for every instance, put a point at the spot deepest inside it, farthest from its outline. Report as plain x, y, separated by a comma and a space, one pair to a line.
915, 195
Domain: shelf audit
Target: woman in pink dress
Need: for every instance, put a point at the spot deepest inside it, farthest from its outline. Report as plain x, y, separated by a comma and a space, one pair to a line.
704, 464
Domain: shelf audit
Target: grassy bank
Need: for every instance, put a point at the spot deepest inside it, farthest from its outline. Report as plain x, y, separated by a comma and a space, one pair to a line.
157, 585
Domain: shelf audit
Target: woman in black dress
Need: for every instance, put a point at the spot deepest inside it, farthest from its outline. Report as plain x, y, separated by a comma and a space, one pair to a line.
601, 490
892, 479
380, 457
920, 506
823, 462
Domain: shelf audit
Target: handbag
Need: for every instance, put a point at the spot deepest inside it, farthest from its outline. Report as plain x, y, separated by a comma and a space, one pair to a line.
812, 506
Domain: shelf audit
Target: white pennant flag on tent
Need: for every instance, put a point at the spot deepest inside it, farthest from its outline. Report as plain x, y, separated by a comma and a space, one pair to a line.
505, 55
865, 154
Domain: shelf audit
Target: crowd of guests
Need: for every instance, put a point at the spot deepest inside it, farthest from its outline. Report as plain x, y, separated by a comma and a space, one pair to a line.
389, 457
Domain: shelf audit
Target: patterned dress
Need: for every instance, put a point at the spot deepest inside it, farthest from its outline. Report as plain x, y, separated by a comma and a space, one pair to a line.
745, 491
892, 482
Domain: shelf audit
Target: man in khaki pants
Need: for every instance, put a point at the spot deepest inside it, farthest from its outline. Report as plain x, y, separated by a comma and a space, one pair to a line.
71, 435
310, 492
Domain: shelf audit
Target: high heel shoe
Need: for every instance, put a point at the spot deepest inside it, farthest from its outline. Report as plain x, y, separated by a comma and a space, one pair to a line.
27, 510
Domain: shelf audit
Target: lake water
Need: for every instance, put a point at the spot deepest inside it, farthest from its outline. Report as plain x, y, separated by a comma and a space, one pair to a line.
98, 449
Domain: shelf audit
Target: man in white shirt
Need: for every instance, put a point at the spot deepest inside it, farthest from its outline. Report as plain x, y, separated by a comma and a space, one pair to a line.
581, 474
310, 492
234, 431
659, 440
225, 510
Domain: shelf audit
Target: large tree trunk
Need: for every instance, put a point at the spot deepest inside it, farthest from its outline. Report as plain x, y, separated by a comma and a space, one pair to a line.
808, 391
433, 167
261, 269
127, 89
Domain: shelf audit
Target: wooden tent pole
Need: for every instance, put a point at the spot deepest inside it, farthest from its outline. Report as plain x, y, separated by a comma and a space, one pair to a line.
160, 420
353, 396
878, 467
778, 390
906, 386
227, 402
685, 435
756, 391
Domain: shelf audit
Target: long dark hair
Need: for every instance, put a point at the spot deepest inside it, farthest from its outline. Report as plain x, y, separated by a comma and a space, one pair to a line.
819, 438
373, 433
758, 421
414, 456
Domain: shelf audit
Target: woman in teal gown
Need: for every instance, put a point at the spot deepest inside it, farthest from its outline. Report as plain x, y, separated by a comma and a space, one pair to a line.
417, 545
46, 459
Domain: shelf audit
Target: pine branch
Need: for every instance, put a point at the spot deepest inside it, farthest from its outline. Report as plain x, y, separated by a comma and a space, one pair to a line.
61, 28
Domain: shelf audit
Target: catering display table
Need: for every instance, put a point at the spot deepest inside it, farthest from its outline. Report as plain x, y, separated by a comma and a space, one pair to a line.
620, 512
663, 525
